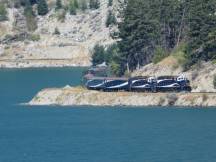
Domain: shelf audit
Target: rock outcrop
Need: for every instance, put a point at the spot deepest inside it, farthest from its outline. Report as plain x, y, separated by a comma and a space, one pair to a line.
72, 46
80, 96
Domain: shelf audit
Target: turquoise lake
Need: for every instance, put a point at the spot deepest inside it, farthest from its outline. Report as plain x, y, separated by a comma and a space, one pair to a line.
90, 134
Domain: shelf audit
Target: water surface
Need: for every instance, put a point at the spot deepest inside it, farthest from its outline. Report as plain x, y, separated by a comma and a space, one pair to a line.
89, 134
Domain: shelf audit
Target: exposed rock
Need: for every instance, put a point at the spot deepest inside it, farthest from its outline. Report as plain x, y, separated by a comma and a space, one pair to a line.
19, 21
79, 96
78, 35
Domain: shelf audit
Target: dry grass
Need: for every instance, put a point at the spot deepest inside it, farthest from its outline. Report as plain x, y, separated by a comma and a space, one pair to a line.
3, 30
171, 61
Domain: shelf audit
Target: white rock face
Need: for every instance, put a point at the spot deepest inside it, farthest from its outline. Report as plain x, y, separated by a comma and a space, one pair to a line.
78, 35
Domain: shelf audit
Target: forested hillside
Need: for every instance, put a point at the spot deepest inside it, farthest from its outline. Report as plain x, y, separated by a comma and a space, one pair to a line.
153, 29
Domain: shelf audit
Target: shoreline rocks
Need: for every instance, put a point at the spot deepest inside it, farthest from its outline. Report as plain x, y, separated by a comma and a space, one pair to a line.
78, 96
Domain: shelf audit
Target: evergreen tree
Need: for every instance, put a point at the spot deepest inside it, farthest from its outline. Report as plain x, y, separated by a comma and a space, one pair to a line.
42, 7
3, 12
94, 4
76, 4
30, 17
58, 4
111, 19
83, 4
72, 7
110, 3
98, 56
202, 32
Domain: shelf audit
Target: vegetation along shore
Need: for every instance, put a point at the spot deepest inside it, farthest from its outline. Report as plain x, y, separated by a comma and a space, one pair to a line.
132, 37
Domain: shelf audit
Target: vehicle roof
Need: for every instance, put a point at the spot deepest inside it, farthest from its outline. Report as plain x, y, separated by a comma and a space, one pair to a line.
106, 78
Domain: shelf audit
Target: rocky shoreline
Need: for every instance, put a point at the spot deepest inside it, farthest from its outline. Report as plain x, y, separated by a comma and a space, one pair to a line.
42, 63
78, 96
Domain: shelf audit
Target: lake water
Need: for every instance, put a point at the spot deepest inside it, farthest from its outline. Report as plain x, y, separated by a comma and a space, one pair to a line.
87, 134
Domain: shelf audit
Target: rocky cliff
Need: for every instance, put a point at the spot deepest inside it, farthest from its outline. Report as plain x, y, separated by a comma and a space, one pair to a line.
72, 46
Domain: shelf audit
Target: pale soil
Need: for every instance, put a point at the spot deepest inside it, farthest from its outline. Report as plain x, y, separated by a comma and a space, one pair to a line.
78, 35
79, 96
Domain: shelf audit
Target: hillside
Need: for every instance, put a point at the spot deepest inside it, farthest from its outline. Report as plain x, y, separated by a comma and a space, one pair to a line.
71, 46
201, 76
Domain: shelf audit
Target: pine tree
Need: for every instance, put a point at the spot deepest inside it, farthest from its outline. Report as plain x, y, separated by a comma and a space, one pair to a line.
76, 4
110, 3
202, 32
83, 4
30, 17
42, 7
111, 19
72, 7
98, 56
3, 12
58, 4
94, 4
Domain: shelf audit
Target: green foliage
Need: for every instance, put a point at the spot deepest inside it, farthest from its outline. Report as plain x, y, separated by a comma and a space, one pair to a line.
110, 3
3, 12
115, 68
94, 4
35, 37
76, 4
202, 32
30, 17
58, 4
42, 7
111, 19
159, 55
214, 81
83, 5
72, 7
56, 31
98, 56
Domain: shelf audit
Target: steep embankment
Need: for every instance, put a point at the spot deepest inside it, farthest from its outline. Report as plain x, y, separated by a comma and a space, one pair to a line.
71, 47
79, 96
201, 81
201, 75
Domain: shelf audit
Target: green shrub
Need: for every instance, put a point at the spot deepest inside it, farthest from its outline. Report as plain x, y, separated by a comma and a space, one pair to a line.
58, 4
159, 55
72, 7
111, 19
110, 3
83, 5
57, 32
115, 68
98, 56
3, 12
42, 7
94, 4
35, 37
